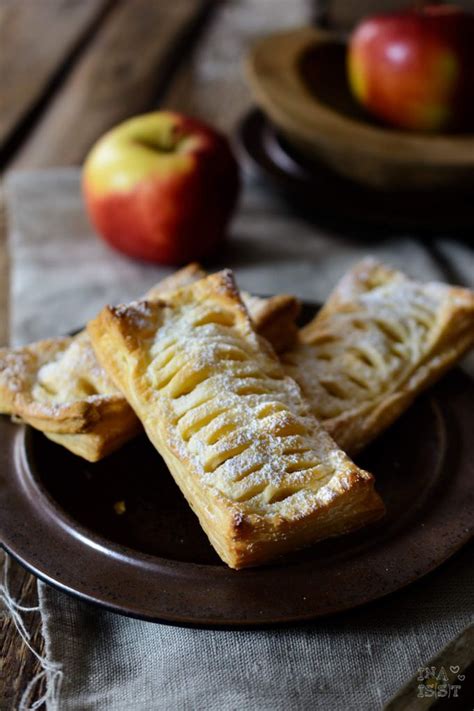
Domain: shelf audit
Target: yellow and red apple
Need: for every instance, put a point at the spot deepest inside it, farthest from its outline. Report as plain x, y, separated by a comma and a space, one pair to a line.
415, 69
161, 187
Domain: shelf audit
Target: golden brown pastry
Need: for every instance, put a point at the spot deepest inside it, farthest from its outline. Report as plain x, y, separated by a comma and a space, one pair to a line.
259, 471
378, 341
274, 317
58, 387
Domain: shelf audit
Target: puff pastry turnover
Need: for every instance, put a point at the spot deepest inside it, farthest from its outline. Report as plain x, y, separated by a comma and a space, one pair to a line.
58, 387
379, 340
259, 471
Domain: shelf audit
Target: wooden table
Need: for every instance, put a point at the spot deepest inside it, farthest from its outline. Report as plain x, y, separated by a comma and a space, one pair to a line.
71, 69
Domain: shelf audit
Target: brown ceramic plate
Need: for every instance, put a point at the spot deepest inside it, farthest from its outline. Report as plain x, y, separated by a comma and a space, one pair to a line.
58, 517
313, 185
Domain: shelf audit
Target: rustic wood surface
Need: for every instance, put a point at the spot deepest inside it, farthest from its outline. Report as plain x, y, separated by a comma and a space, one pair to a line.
17, 664
211, 84
121, 74
70, 69
29, 65
4, 281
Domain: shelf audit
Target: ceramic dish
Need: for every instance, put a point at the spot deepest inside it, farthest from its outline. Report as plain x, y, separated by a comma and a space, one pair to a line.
325, 194
119, 533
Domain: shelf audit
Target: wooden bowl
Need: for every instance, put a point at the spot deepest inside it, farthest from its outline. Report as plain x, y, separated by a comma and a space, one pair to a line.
299, 80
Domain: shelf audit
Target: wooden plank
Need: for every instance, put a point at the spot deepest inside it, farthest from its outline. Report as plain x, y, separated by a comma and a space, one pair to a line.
121, 74
212, 84
37, 38
4, 274
18, 665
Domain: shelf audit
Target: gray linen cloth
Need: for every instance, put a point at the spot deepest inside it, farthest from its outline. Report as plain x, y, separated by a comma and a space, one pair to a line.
61, 276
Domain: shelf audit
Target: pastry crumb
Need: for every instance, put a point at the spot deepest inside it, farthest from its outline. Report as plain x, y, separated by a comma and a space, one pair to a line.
120, 508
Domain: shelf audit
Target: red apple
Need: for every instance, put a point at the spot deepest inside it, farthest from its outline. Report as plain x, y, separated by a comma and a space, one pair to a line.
161, 187
415, 69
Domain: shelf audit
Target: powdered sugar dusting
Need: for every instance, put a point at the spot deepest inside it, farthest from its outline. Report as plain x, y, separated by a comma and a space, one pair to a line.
55, 373
374, 331
241, 421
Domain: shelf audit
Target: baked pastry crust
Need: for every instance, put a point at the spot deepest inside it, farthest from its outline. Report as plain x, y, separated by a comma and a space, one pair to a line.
259, 471
56, 384
58, 387
380, 339
274, 317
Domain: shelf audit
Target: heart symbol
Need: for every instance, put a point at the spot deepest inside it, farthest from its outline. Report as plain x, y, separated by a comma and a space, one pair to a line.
461, 677
454, 670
